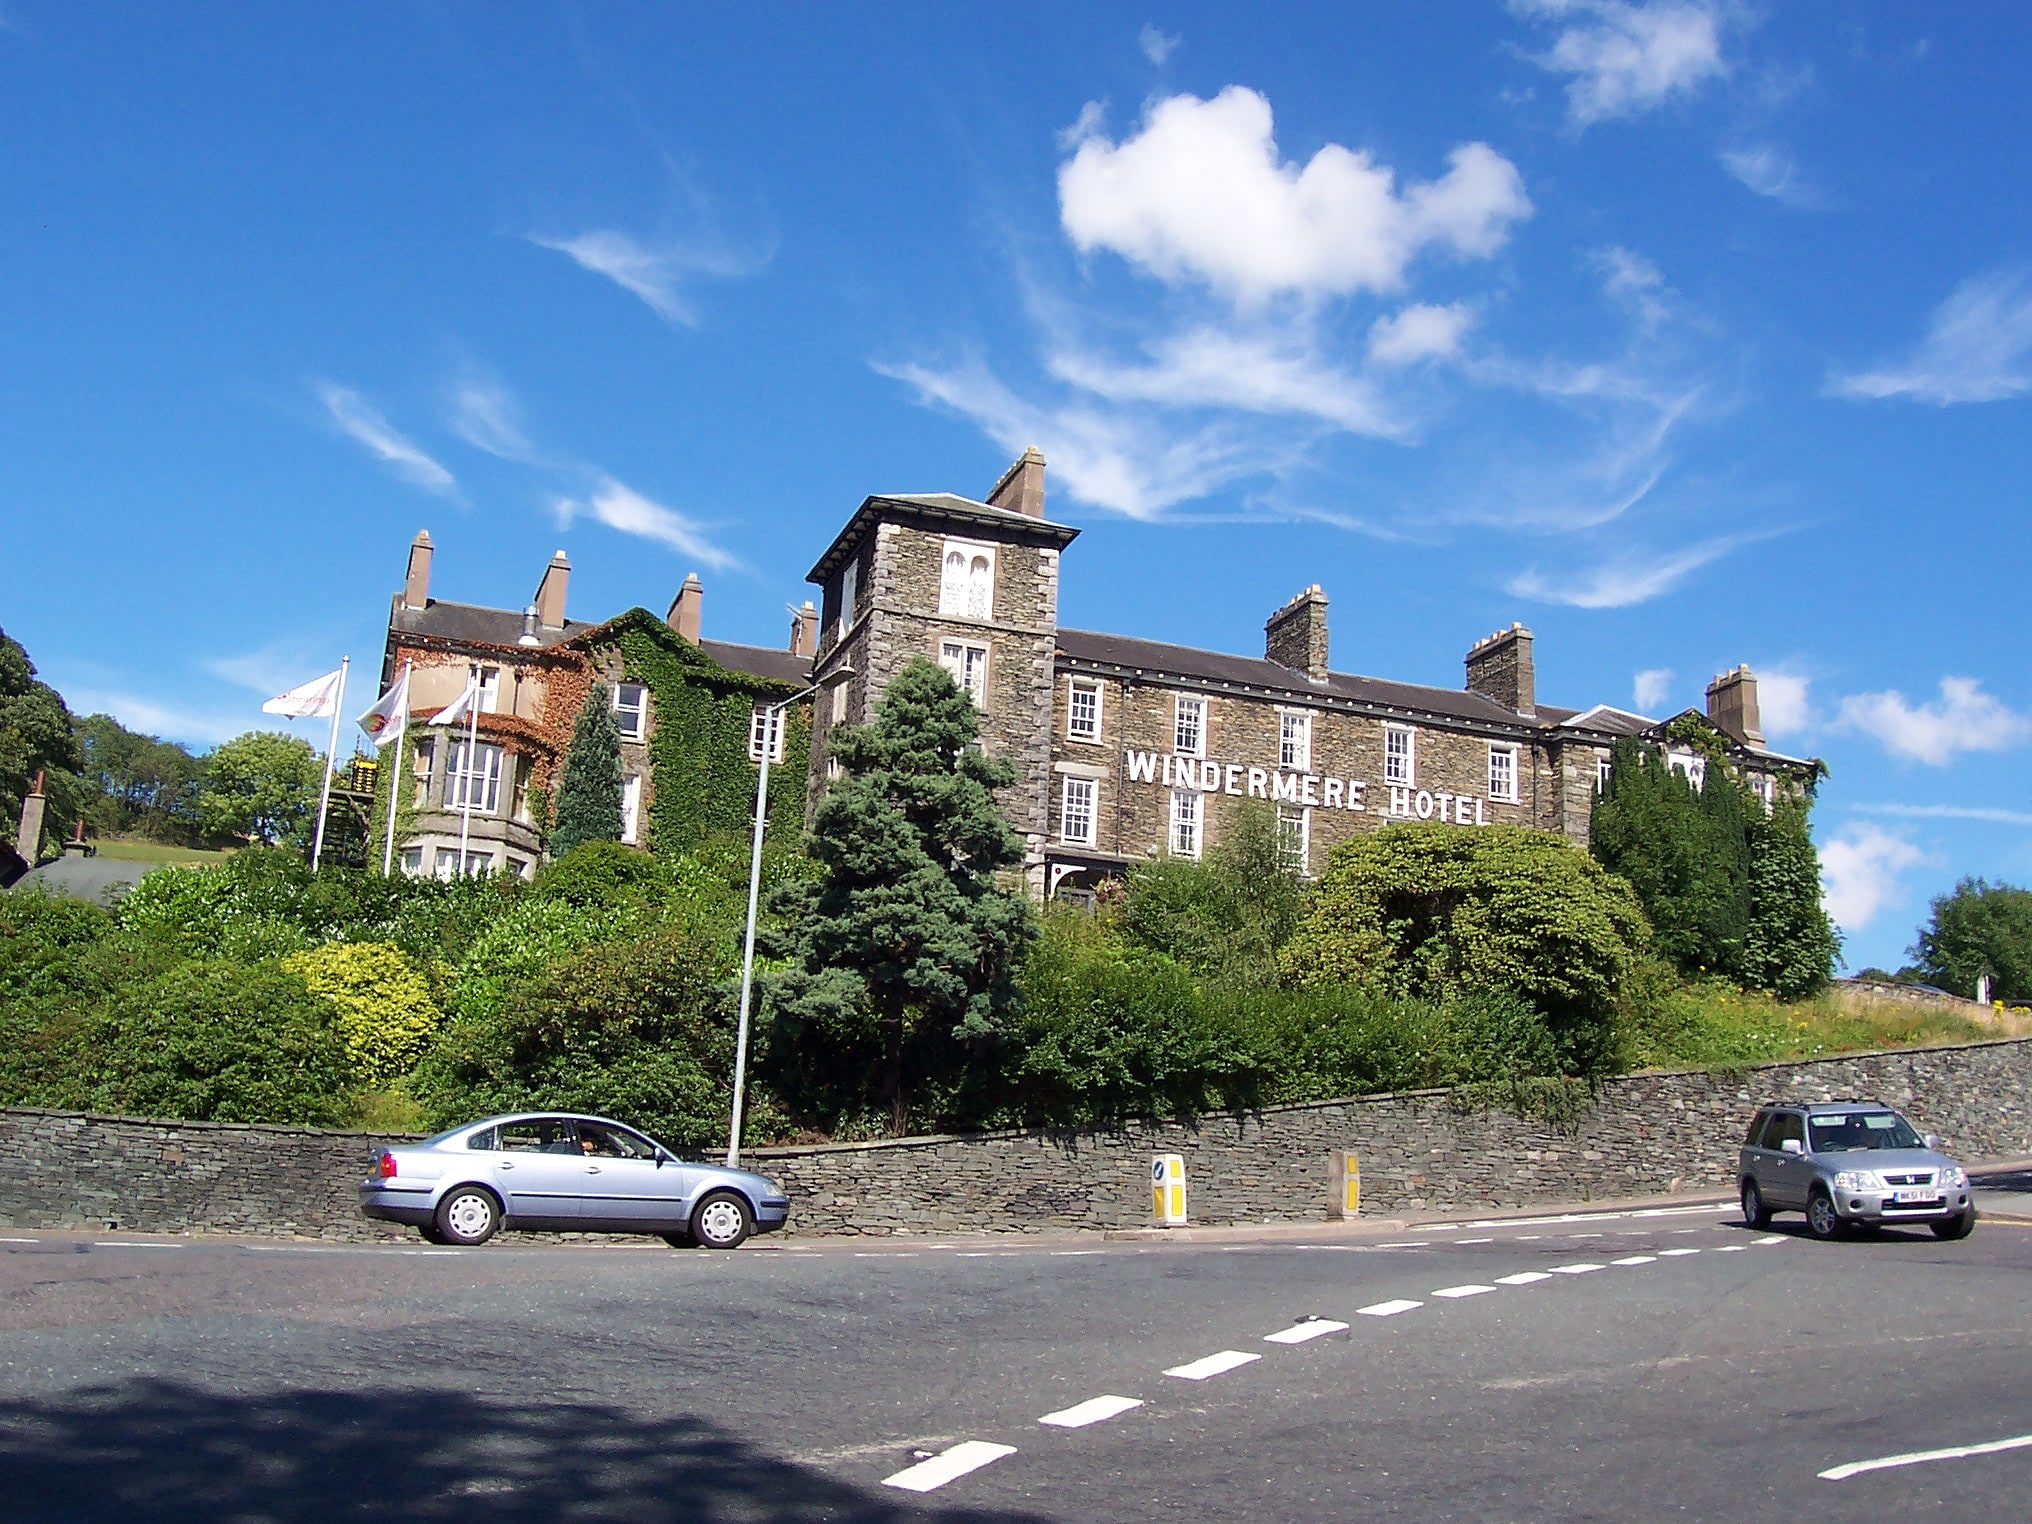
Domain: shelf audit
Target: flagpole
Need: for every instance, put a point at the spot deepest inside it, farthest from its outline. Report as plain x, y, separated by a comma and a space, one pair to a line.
472, 744
331, 756
395, 782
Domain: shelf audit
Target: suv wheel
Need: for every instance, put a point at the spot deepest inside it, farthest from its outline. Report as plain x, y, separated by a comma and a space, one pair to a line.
1822, 1220
1755, 1213
721, 1221
469, 1216
1956, 1227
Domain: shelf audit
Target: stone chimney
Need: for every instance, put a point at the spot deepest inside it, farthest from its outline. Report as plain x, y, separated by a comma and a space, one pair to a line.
29, 841
1021, 489
416, 586
1500, 668
550, 592
1732, 705
804, 631
687, 609
77, 846
1295, 636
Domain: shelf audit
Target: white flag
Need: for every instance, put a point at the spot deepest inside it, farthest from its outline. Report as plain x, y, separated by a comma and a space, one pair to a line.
389, 718
314, 700
461, 706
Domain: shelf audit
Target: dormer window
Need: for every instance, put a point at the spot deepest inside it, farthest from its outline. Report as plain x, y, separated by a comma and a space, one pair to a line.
966, 586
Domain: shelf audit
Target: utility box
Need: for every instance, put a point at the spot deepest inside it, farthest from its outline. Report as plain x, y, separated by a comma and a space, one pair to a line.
1167, 1190
1344, 1188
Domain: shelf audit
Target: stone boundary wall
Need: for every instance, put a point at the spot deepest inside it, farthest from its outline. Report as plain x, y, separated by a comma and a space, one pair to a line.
1420, 1151
1864, 992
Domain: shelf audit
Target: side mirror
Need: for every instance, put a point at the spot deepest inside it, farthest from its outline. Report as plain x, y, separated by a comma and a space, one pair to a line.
663, 1157
1792, 1146
1932, 1141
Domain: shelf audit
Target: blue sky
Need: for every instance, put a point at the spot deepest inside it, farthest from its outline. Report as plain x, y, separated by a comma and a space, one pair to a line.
1687, 333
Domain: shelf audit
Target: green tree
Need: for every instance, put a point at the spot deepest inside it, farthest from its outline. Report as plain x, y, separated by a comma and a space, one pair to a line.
589, 799
1227, 915
1789, 945
1445, 913
262, 786
1651, 828
145, 785
900, 957
35, 736
1980, 928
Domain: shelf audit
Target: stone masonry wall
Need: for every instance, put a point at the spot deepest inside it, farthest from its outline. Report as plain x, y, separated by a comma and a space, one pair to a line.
1647, 1134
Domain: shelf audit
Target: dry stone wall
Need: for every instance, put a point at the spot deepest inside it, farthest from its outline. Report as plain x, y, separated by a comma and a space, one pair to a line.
1419, 1151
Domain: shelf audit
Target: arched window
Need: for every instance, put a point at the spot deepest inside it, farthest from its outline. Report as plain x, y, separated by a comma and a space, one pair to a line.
966, 581
980, 588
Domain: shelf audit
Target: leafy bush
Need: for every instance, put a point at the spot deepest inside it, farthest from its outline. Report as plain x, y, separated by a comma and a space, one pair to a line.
1979, 928
1226, 916
385, 1011
600, 872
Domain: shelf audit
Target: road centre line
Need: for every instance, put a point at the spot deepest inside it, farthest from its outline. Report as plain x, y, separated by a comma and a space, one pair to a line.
1675, 1253
1460, 1291
1636, 1259
1093, 1410
1459, 1241
121, 1243
1581, 1268
1523, 1278
947, 1465
1209, 1366
1539, 1222
1387, 1309
1730, 1248
1074, 1253
1299, 1333
1772, 1238
1918, 1457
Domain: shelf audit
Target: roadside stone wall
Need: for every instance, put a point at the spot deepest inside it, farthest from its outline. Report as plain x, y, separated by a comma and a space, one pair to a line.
1419, 1151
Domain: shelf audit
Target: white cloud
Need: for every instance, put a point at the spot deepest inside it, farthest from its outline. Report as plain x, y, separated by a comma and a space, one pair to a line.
1947, 812
1859, 873
360, 421
1978, 348
1625, 58
276, 667
619, 506
1650, 688
1155, 45
1784, 702
1201, 193
1634, 283
1963, 719
1625, 580
1419, 332
486, 416
1770, 171
656, 275
152, 717
1256, 373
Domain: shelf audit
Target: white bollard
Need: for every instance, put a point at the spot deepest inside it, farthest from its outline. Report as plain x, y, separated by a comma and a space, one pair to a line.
1167, 1190
1344, 1189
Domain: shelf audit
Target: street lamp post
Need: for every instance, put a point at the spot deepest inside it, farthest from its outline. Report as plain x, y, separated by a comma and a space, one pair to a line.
772, 720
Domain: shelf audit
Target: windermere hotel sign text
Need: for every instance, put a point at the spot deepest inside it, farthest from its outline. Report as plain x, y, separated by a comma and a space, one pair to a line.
1307, 790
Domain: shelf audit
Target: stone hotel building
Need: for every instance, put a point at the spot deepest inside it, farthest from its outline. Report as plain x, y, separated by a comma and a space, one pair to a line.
1125, 749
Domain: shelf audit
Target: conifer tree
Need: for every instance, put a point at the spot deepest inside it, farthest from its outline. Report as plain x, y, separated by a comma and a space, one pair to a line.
589, 798
901, 955
1648, 829
1789, 946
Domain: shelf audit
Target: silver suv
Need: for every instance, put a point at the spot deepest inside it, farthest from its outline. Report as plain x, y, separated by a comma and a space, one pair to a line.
1850, 1164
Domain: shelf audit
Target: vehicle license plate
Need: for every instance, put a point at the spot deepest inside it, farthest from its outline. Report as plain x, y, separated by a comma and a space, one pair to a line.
1914, 1198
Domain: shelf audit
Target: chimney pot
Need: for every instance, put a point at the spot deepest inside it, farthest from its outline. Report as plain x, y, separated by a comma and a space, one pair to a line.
416, 586
1021, 489
687, 608
550, 592
1500, 667
804, 631
1732, 705
1295, 636
530, 618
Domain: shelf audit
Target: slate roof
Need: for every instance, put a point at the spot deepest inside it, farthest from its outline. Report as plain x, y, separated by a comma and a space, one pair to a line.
759, 661
470, 622
938, 509
99, 879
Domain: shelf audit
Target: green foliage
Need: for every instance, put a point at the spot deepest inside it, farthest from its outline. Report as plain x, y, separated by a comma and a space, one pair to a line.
1979, 928
522, 942
385, 1011
637, 1031
589, 799
35, 736
1789, 944
705, 784
262, 786
143, 785
1444, 913
1228, 915
599, 873
901, 957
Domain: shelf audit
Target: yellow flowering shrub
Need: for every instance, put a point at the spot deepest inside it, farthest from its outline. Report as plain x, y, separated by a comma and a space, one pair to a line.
386, 1014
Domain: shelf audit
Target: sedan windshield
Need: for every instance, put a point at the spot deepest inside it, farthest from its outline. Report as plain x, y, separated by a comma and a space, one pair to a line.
1837, 1132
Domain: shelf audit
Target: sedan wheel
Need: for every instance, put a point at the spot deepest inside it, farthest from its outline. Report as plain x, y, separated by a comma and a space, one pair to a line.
722, 1221
1755, 1213
468, 1216
1822, 1220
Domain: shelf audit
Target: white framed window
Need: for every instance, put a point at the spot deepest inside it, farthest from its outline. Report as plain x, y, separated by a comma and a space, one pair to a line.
1693, 768
477, 863
1294, 741
426, 764
839, 703
474, 781
850, 590
630, 704
1188, 726
1502, 772
1185, 822
490, 690
1076, 811
1294, 838
1762, 786
1083, 710
968, 663
1602, 769
765, 733
966, 582
1400, 754
411, 859
631, 808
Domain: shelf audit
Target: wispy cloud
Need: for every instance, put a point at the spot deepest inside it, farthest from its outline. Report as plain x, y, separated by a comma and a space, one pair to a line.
657, 274
1421, 331
171, 722
1947, 812
276, 667
1650, 687
1978, 348
1624, 580
619, 506
1860, 873
1785, 702
486, 416
361, 421
1156, 46
1963, 719
1770, 171
1622, 59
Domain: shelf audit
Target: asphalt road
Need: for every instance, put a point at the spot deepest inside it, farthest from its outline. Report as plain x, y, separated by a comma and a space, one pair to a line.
1698, 1370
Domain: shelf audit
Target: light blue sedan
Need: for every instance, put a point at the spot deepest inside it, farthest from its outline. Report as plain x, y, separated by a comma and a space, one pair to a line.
556, 1172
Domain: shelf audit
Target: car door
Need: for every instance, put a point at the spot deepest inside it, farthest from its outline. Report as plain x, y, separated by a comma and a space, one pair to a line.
1782, 1174
626, 1184
540, 1172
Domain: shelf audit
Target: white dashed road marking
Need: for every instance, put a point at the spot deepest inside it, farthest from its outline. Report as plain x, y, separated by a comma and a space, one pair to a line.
1211, 1365
1387, 1309
1675, 1253
1580, 1269
1299, 1333
1458, 1291
1093, 1410
968, 1455
1919, 1457
1637, 1259
1774, 1238
1523, 1278
1731, 1248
